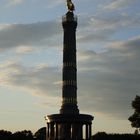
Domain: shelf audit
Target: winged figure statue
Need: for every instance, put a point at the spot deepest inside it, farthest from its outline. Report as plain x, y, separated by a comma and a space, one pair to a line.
70, 5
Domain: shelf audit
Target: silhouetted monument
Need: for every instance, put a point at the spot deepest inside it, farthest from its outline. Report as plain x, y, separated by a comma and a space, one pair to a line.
69, 124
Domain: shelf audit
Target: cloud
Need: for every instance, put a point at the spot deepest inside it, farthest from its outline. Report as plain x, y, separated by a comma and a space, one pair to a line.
24, 49
96, 36
14, 2
3, 26
53, 4
93, 28
129, 48
115, 5
36, 34
108, 81
98, 28
111, 78
39, 80
114, 22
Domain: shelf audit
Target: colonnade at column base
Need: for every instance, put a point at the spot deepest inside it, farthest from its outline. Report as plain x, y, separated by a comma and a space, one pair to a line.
69, 127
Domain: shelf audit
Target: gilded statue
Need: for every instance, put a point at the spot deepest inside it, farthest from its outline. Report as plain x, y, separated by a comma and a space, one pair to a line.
70, 5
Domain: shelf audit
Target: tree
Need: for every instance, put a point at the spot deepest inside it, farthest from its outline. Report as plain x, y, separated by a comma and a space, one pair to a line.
23, 135
41, 134
135, 118
100, 136
5, 135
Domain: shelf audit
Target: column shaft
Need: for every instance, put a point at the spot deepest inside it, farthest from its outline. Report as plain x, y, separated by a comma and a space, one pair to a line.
69, 92
87, 132
90, 132
56, 131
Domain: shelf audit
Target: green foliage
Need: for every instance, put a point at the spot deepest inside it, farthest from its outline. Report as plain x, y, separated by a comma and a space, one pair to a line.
23, 135
19, 135
105, 136
136, 104
41, 134
5, 135
135, 118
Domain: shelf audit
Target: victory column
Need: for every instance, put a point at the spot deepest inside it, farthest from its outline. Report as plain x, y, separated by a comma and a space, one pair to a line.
68, 125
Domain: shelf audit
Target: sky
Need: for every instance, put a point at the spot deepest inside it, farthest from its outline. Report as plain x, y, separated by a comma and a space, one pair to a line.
108, 54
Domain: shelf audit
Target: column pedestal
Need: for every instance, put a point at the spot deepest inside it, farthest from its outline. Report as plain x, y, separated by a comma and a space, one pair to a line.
69, 127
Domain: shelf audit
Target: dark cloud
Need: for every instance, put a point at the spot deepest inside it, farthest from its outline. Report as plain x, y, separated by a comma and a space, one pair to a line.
36, 34
107, 82
111, 79
96, 36
133, 44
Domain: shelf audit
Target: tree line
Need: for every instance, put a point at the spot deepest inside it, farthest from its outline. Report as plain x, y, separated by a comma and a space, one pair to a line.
41, 135
105, 136
23, 135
